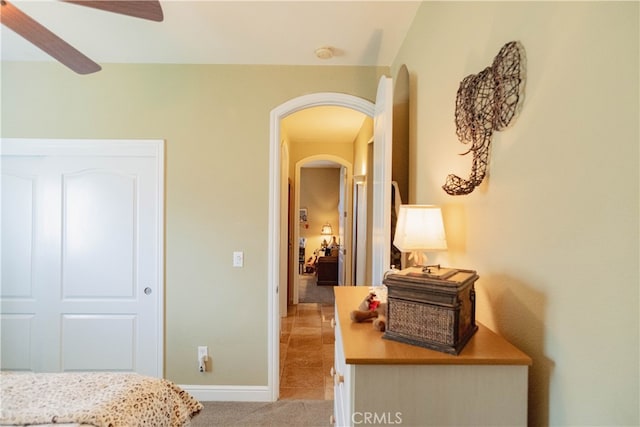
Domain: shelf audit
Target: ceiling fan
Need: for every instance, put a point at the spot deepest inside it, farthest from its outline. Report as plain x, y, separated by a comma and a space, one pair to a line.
41, 37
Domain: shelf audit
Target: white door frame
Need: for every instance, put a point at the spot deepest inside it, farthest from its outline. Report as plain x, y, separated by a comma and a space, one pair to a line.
381, 173
358, 229
107, 147
276, 248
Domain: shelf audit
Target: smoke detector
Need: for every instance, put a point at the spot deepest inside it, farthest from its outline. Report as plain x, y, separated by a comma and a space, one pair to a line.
324, 52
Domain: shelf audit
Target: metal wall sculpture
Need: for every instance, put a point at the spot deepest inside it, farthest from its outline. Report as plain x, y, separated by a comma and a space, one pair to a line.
486, 102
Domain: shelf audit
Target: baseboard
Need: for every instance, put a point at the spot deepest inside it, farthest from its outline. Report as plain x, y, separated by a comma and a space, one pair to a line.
229, 393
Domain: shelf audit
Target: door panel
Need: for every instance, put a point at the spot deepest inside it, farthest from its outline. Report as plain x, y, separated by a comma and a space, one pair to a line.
98, 234
87, 233
113, 348
360, 233
342, 214
17, 331
17, 243
382, 146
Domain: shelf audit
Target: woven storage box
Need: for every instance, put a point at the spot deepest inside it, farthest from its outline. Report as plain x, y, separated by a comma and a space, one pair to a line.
436, 310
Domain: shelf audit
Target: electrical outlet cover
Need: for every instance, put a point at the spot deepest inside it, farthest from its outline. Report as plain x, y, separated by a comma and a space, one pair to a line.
202, 351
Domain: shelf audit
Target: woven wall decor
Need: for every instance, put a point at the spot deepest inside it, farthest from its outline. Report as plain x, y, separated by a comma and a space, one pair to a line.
486, 102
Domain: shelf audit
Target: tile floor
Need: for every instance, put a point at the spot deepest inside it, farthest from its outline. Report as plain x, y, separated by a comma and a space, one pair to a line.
306, 352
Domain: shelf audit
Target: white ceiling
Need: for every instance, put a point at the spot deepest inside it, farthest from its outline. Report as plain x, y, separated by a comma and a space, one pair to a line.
225, 32
360, 33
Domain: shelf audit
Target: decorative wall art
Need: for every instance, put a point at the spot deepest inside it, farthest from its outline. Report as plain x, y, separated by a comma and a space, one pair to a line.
304, 218
486, 102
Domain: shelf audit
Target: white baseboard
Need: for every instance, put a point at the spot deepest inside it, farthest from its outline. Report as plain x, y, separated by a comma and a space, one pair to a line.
229, 393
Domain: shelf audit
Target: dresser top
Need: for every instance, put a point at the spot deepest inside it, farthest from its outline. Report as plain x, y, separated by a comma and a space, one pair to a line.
364, 345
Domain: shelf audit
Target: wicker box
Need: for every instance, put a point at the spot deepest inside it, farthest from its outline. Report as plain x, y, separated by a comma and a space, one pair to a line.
435, 310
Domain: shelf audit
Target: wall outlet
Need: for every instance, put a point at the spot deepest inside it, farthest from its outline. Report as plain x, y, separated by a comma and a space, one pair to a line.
203, 355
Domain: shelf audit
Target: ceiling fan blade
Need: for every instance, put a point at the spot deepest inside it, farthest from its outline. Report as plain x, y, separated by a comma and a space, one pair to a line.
41, 37
145, 9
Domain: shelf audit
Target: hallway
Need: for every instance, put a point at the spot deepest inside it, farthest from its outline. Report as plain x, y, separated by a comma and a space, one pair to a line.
306, 352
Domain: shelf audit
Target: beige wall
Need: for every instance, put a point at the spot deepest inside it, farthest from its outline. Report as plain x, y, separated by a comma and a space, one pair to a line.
303, 150
360, 148
215, 121
553, 230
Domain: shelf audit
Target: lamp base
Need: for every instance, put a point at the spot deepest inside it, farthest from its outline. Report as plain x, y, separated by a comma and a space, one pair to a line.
419, 258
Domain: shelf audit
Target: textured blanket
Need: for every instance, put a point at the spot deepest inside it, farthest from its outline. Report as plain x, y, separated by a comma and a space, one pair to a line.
95, 398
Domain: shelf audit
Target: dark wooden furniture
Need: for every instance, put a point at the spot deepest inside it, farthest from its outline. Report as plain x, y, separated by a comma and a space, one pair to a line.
328, 270
435, 309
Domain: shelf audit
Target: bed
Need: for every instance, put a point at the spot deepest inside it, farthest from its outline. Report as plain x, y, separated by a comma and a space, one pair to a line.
93, 399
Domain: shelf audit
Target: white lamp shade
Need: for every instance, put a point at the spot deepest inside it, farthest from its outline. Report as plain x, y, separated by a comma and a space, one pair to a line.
326, 230
420, 228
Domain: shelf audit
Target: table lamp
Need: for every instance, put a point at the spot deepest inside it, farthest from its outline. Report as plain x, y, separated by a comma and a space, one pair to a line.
420, 229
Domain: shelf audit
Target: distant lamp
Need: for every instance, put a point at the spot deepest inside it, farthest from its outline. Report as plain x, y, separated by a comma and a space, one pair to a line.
420, 229
326, 230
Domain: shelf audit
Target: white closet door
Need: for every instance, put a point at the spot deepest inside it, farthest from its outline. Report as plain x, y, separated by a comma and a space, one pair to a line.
81, 256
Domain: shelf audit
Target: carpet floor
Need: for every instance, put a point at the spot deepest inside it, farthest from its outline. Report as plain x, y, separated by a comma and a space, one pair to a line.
281, 413
310, 291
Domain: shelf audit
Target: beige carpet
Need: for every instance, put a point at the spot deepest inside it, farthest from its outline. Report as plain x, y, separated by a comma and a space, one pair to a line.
281, 413
310, 291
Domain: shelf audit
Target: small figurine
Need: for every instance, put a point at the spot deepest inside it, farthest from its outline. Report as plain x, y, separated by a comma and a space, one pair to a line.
374, 306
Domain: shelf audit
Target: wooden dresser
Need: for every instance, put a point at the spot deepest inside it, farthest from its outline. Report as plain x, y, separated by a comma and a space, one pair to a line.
383, 382
328, 270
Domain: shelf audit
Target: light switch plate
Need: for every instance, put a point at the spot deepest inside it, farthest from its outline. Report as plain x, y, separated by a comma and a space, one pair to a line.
238, 259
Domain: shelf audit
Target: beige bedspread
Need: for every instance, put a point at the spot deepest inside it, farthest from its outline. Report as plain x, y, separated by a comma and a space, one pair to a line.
94, 398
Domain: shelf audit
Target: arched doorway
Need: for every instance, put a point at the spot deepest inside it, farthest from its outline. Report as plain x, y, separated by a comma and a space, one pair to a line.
345, 199
278, 252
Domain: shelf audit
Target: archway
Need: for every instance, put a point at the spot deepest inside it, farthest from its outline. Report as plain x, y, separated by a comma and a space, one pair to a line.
346, 200
277, 252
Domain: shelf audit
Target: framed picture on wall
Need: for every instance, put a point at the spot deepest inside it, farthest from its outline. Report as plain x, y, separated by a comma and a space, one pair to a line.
303, 215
